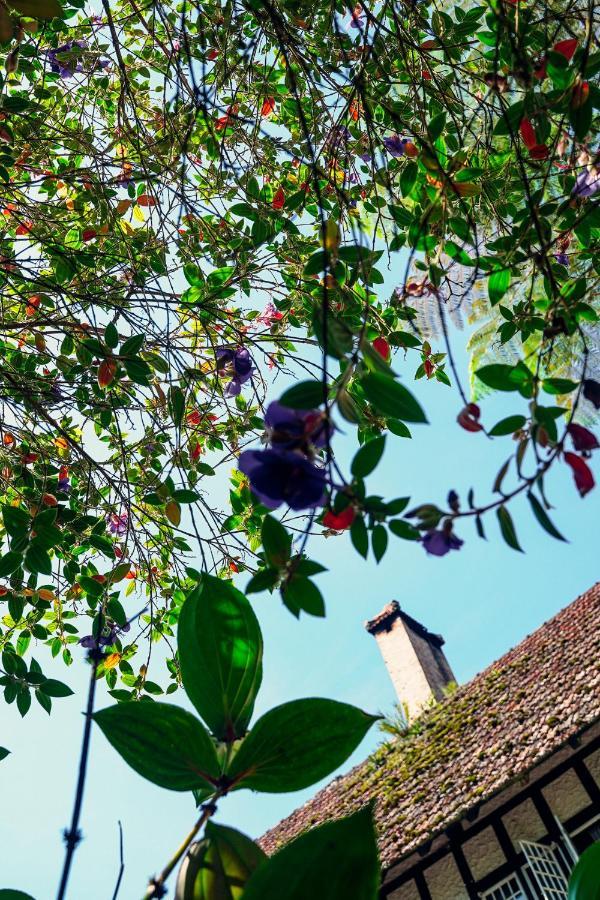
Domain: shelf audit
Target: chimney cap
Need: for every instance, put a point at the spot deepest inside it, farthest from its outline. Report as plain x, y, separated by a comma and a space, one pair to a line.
391, 612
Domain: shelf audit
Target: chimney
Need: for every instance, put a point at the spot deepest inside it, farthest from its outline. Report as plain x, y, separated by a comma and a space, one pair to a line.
413, 656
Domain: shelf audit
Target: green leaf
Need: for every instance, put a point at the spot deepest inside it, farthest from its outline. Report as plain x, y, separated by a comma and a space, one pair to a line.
132, 345
277, 543
182, 495
408, 178
16, 520
379, 542
298, 593
263, 580
8, 893
220, 653
111, 336
404, 530
218, 867
164, 744
53, 688
507, 528
38, 9
368, 457
584, 883
391, 398
543, 517
498, 284
323, 863
298, 743
507, 426
360, 536
101, 543
315, 264
3, 754
176, 404
498, 377
305, 395
37, 559
558, 386
9, 563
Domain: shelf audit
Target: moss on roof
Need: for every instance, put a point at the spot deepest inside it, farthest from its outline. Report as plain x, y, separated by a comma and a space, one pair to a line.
474, 742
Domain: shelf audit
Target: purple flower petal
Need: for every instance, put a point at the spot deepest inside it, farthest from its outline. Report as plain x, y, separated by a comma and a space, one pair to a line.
439, 542
281, 476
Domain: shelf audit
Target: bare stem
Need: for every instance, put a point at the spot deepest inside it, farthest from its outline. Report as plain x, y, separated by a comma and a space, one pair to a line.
156, 887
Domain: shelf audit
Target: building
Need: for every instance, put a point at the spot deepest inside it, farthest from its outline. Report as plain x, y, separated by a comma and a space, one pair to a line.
494, 789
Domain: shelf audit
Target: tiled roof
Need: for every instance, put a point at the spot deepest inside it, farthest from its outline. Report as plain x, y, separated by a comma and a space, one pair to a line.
476, 741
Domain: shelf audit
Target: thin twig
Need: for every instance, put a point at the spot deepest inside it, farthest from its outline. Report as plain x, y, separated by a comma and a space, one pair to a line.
73, 835
122, 861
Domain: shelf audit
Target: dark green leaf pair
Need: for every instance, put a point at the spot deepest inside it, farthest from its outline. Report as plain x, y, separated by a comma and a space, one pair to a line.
220, 653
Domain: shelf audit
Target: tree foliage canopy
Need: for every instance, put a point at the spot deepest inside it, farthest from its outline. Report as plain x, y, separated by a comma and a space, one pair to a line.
197, 196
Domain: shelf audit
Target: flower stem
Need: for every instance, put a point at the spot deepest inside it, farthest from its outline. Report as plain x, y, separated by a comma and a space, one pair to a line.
156, 887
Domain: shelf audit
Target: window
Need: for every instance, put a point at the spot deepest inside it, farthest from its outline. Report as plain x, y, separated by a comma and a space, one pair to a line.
588, 834
509, 889
547, 876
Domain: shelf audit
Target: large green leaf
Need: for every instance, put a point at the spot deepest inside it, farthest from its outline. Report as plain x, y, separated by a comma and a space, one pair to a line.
218, 867
163, 743
391, 398
333, 862
220, 653
298, 743
10, 894
37, 9
584, 883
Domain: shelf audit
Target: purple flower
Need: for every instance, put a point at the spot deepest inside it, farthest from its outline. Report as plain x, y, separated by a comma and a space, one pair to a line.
236, 362
108, 637
282, 476
269, 315
65, 60
395, 145
118, 524
439, 542
357, 18
587, 183
366, 157
562, 258
296, 429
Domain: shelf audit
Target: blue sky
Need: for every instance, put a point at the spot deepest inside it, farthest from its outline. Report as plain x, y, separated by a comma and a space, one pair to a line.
483, 599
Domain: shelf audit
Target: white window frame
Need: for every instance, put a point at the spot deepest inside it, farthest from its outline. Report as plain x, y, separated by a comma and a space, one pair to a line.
492, 895
544, 873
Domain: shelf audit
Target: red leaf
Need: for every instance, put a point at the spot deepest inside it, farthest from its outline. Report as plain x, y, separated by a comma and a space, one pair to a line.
540, 151
582, 438
279, 199
106, 372
339, 521
268, 107
383, 348
580, 94
566, 48
88, 234
468, 418
584, 480
528, 133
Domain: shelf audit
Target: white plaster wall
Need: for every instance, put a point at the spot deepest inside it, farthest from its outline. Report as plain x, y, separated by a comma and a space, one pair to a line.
444, 881
483, 853
566, 796
523, 823
408, 891
593, 763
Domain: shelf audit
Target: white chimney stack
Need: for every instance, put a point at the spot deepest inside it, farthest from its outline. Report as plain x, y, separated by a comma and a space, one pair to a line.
413, 656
